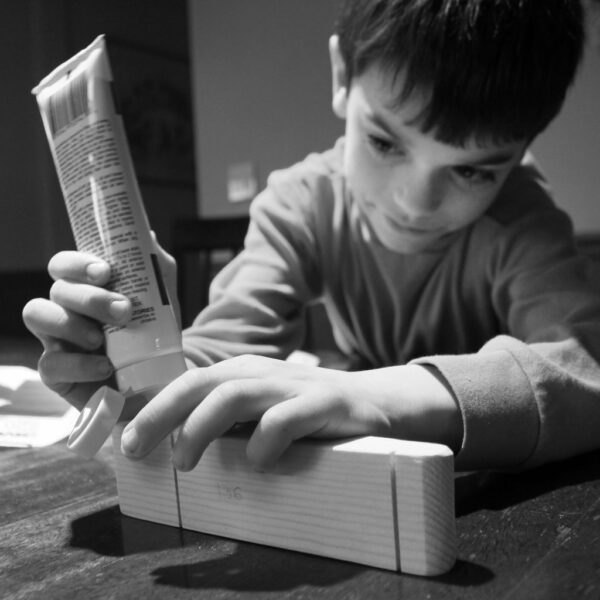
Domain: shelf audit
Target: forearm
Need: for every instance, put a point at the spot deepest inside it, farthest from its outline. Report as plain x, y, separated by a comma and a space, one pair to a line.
223, 332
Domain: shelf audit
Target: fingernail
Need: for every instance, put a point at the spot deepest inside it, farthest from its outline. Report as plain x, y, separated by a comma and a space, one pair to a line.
129, 441
118, 309
104, 367
94, 338
179, 462
263, 467
96, 271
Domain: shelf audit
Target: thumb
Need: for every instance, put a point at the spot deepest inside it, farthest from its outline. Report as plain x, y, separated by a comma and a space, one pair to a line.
168, 268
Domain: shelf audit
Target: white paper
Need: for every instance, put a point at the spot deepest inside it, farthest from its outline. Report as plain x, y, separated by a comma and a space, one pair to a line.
31, 415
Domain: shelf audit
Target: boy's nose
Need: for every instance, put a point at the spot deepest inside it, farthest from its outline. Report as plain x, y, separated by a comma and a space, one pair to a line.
417, 196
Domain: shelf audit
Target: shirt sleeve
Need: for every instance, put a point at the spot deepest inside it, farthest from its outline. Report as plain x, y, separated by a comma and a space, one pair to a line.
532, 395
257, 301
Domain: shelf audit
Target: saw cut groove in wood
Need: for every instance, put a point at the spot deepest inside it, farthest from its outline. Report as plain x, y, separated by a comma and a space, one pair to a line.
380, 502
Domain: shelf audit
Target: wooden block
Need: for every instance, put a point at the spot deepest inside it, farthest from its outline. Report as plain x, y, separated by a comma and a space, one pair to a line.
425, 504
376, 501
147, 488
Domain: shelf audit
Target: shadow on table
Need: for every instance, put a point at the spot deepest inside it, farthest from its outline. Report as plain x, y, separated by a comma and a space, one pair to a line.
226, 564
250, 567
109, 533
498, 491
258, 568
201, 561
209, 562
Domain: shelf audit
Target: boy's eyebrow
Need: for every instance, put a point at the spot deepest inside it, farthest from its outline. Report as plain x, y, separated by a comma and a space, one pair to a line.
494, 159
380, 121
498, 159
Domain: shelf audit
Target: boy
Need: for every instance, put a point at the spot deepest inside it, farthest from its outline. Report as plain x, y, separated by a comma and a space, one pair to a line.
449, 276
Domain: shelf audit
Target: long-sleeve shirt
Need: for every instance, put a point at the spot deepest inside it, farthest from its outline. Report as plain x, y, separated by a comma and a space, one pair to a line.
505, 309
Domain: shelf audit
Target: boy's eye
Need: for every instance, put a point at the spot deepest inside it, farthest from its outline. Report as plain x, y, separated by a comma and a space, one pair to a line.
474, 176
382, 146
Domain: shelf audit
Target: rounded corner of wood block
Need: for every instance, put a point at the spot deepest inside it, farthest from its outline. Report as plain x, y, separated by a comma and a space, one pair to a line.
432, 568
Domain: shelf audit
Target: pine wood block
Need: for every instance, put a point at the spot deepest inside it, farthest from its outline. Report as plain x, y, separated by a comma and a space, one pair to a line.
376, 501
147, 488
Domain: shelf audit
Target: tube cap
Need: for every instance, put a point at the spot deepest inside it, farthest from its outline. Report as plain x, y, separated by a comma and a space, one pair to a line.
96, 422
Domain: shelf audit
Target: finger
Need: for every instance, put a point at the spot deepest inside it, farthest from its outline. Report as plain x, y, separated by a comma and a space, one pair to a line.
251, 366
168, 268
165, 412
235, 401
79, 266
173, 405
74, 377
285, 422
167, 262
48, 321
91, 301
57, 367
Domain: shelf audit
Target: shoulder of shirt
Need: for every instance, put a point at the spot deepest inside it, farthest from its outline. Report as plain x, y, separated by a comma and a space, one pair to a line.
315, 165
307, 183
525, 197
524, 216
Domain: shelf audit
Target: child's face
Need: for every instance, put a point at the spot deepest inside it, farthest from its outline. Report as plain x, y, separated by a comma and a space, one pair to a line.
412, 189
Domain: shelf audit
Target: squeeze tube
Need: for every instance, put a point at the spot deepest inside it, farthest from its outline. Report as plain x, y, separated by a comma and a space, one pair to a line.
91, 155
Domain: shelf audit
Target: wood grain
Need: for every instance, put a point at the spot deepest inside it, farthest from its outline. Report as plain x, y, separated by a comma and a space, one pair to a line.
380, 502
147, 488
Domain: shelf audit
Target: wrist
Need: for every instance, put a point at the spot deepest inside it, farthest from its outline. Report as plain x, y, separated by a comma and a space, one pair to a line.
418, 403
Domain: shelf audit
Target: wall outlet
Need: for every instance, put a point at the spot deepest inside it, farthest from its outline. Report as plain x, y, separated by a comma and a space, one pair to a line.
242, 182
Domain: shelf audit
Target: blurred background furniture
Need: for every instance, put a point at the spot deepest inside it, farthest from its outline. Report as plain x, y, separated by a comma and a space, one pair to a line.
201, 248
589, 244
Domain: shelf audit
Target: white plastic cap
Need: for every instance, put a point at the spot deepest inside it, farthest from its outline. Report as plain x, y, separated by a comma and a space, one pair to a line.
96, 422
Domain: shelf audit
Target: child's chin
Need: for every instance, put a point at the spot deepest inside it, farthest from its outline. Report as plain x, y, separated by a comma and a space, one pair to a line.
409, 243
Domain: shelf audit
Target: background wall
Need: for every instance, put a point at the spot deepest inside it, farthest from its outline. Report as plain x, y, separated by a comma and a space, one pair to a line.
261, 88
569, 151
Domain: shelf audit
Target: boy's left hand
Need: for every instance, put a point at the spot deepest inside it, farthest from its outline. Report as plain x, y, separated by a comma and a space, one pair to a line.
288, 401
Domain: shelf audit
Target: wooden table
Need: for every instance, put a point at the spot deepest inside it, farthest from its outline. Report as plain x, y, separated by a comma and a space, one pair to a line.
530, 535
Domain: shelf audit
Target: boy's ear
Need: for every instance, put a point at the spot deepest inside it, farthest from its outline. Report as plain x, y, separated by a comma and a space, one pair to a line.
338, 78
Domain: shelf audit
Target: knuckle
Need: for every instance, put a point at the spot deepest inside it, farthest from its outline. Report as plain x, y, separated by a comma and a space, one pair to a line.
55, 262
228, 392
31, 311
252, 365
243, 360
57, 290
45, 365
191, 378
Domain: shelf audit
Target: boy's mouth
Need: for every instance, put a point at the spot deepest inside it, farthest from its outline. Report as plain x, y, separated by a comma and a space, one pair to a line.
399, 224
404, 227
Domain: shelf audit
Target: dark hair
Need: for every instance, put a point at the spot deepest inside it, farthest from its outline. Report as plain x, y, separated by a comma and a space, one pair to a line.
490, 69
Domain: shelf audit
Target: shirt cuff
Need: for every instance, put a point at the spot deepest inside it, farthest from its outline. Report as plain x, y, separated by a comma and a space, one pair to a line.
498, 407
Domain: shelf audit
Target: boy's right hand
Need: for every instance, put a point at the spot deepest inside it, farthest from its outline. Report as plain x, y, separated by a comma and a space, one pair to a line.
69, 325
